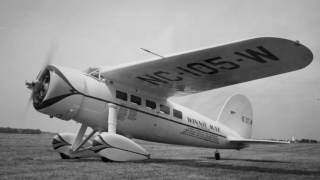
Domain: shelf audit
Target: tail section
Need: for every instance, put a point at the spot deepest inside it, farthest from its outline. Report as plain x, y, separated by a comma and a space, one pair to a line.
237, 115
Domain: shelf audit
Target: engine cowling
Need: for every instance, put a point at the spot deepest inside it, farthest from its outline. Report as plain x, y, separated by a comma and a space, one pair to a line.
67, 94
56, 95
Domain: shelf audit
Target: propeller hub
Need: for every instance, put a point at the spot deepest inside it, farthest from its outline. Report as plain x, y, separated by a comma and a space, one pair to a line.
39, 87
30, 85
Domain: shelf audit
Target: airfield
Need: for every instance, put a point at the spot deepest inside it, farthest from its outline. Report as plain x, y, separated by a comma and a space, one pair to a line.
24, 156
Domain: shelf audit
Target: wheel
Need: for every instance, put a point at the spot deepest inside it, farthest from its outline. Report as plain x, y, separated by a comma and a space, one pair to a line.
64, 156
217, 155
106, 159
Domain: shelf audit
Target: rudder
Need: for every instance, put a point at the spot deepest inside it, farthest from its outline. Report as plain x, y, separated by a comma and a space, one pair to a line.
237, 115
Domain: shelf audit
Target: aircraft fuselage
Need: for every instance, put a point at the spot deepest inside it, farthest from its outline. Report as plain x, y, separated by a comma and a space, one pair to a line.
140, 115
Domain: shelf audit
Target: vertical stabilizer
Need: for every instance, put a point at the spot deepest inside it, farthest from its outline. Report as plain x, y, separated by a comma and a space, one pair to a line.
237, 115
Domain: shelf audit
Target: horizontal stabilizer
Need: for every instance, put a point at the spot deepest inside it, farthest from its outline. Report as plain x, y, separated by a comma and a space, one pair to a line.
256, 141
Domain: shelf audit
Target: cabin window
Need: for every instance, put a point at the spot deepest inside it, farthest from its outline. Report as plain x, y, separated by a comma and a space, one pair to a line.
177, 113
135, 99
121, 95
164, 109
151, 104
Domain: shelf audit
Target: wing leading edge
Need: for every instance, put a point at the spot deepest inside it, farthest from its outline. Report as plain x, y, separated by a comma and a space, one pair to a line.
213, 67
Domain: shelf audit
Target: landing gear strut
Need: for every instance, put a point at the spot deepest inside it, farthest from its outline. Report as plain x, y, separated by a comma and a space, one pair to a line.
80, 140
217, 155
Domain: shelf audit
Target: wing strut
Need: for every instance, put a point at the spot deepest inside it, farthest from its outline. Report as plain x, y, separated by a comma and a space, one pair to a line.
112, 118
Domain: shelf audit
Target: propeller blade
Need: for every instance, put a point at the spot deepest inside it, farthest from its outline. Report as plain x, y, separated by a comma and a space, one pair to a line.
27, 108
49, 58
29, 102
50, 54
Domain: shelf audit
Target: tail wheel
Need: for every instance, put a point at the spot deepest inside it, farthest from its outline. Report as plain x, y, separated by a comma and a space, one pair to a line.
217, 155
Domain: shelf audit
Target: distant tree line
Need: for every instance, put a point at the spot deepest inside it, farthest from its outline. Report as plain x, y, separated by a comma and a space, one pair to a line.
306, 141
19, 131
296, 140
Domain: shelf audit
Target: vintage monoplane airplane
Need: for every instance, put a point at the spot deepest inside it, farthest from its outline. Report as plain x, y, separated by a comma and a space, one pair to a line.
131, 101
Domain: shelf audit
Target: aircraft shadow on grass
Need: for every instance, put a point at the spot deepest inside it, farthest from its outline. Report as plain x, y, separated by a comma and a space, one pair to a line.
217, 165
206, 162
251, 160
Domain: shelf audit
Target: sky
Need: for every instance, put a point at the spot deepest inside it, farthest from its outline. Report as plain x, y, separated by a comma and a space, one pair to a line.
108, 33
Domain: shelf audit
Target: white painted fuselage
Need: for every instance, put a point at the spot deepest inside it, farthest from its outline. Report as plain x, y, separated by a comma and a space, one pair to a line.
141, 122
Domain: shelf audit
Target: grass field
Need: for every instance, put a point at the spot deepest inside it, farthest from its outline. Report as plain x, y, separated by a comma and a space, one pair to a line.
25, 156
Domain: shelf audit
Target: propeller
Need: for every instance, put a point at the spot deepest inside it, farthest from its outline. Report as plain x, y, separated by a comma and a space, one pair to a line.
27, 107
38, 84
48, 59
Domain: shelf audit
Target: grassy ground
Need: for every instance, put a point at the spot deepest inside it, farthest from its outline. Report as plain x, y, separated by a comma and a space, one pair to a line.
31, 157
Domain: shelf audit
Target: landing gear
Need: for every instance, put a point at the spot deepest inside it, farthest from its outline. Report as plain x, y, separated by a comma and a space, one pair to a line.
217, 155
109, 146
113, 147
64, 156
71, 146
105, 159
79, 138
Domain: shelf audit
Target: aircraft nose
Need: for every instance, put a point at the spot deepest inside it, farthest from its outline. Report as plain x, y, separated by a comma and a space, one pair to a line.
58, 92
51, 87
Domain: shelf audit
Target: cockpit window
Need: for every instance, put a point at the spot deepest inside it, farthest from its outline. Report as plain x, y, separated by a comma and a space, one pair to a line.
94, 72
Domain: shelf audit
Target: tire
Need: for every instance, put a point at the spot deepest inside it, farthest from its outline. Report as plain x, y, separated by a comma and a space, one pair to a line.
64, 156
217, 156
106, 159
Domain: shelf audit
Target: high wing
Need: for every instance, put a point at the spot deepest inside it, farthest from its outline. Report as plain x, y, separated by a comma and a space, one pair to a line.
213, 67
256, 141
